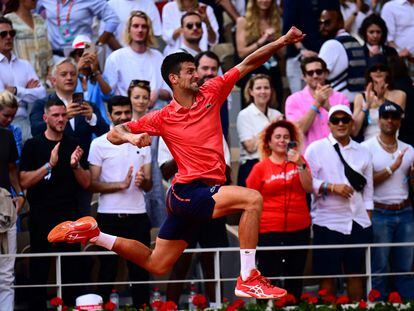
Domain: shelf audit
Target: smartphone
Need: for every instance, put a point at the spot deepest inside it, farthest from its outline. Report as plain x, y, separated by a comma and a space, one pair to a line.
291, 145
89, 49
77, 98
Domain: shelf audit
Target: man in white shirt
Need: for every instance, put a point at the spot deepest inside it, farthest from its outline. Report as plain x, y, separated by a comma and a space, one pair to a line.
121, 174
18, 77
137, 60
399, 17
392, 218
339, 211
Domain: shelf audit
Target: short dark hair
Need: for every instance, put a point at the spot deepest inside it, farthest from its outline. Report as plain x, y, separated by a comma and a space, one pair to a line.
312, 59
188, 14
53, 102
172, 64
5, 20
208, 54
373, 19
118, 100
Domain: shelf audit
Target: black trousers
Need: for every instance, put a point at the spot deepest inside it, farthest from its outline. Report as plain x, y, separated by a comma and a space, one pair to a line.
130, 226
284, 263
40, 223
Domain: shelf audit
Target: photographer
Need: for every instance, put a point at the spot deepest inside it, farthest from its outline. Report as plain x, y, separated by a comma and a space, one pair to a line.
283, 178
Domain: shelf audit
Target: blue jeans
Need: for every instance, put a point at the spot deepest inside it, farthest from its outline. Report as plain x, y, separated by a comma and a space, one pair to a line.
393, 226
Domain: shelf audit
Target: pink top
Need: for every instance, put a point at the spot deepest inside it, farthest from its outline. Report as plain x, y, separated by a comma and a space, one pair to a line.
299, 103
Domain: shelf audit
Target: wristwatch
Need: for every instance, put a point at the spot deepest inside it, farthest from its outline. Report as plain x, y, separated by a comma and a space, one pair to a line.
302, 167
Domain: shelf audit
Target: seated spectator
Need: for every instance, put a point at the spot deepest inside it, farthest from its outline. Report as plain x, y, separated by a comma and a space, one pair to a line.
343, 189
31, 42
379, 88
172, 29
283, 178
374, 32
392, 218
354, 12
91, 82
66, 19
8, 109
343, 55
260, 26
143, 63
52, 174
18, 77
309, 107
121, 174
252, 120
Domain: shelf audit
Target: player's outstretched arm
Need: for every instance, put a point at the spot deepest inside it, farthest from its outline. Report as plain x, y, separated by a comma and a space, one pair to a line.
260, 56
121, 134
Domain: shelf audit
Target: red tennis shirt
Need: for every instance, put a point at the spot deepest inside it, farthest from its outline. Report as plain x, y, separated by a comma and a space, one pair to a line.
193, 135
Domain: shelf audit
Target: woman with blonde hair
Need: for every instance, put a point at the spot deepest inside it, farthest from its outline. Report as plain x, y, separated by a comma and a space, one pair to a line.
261, 25
8, 109
283, 178
253, 119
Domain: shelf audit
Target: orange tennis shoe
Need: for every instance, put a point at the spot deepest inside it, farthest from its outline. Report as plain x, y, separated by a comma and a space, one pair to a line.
259, 287
79, 231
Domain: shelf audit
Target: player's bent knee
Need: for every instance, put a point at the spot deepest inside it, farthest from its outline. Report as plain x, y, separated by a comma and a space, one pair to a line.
255, 200
160, 270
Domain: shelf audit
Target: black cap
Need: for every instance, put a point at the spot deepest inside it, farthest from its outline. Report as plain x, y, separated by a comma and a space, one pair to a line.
389, 107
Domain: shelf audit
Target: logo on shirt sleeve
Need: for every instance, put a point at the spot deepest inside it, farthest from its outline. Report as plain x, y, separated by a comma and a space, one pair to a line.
208, 105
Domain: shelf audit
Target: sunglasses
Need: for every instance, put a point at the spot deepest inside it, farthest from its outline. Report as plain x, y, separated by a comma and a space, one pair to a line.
381, 68
325, 22
138, 14
318, 72
193, 25
390, 115
336, 120
139, 83
11, 33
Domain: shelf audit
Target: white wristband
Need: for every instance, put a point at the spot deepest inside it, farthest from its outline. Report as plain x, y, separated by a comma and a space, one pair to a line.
389, 170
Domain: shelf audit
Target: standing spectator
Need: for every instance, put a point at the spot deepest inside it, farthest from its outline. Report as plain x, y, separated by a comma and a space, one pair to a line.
84, 120
260, 26
354, 12
9, 179
121, 174
143, 63
8, 109
309, 107
283, 178
379, 88
65, 19
18, 77
139, 94
343, 189
374, 32
304, 15
192, 33
172, 30
91, 82
52, 174
123, 9
343, 55
398, 15
31, 42
392, 218
252, 120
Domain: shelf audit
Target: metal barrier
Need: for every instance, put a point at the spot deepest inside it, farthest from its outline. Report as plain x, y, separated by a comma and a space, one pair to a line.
217, 269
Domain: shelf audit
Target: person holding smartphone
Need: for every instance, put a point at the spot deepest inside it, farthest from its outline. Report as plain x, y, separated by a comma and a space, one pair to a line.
283, 178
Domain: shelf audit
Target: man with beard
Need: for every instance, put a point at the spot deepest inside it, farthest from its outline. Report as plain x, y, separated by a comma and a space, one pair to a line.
343, 55
309, 107
50, 171
190, 126
392, 218
191, 33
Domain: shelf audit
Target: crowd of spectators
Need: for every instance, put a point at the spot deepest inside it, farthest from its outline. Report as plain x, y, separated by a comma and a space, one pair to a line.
325, 128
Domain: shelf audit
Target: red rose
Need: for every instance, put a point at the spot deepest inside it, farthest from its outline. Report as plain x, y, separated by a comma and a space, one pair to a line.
280, 303
312, 300
373, 295
394, 297
329, 299
238, 303
65, 308
342, 300
290, 299
305, 296
168, 306
157, 304
57, 301
200, 301
362, 304
110, 306
323, 292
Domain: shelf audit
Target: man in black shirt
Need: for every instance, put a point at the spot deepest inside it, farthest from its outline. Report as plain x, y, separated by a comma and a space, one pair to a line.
52, 175
8, 178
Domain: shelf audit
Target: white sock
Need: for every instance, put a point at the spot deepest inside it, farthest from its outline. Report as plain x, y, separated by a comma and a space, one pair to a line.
105, 240
247, 262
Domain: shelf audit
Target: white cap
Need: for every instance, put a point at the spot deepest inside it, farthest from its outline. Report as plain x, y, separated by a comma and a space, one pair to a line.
81, 41
337, 108
89, 302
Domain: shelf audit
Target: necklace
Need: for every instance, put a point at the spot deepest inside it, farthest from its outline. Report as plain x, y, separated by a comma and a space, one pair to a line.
388, 148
